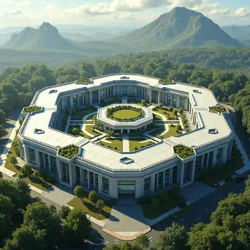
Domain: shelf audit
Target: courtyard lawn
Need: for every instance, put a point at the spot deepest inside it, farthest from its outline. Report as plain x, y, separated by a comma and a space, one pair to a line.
128, 114
222, 171
113, 101
171, 132
89, 208
134, 143
169, 115
116, 143
89, 129
158, 130
79, 113
35, 181
168, 205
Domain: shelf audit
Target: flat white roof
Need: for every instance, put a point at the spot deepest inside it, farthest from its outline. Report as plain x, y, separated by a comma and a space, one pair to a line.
202, 100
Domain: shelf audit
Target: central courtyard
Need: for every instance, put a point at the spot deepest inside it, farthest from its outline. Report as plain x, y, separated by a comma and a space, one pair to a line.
125, 113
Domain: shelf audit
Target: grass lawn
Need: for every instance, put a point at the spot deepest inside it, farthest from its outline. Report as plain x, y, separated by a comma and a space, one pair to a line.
89, 128
115, 144
162, 208
78, 114
113, 101
158, 130
169, 115
35, 181
126, 114
135, 143
222, 171
171, 132
89, 208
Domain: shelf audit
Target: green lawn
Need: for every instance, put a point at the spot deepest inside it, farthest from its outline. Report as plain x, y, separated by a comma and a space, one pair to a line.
134, 143
171, 132
113, 101
169, 115
89, 128
79, 113
89, 208
115, 144
126, 114
168, 205
35, 181
158, 130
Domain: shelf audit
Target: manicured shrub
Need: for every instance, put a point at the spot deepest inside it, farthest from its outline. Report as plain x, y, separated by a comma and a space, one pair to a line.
13, 160
27, 170
100, 204
75, 131
171, 109
36, 174
173, 193
181, 111
79, 192
154, 204
163, 197
93, 197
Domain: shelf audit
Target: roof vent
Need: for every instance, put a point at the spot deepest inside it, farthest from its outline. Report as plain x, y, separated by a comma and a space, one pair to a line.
196, 91
213, 131
126, 160
124, 77
38, 131
52, 91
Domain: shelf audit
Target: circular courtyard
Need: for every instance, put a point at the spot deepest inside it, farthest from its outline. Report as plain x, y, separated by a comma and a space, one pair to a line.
124, 113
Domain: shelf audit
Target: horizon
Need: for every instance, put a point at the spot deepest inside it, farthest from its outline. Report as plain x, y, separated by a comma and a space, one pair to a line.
128, 14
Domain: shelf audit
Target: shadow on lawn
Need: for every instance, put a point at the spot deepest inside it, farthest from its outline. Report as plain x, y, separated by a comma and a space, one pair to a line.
40, 182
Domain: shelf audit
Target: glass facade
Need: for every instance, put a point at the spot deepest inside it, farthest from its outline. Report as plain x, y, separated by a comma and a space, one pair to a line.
41, 159
198, 166
147, 183
188, 171
219, 155
78, 176
65, 172
85, 178
167, 177
32, 155
53, 164
105, 185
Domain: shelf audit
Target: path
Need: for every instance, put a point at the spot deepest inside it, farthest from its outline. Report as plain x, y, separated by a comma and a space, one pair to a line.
84, 125
125, 143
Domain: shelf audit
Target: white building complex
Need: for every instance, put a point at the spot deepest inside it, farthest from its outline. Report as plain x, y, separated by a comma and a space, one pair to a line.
110, 172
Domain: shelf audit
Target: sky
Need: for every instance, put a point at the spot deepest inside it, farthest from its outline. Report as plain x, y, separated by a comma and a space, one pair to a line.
115, 13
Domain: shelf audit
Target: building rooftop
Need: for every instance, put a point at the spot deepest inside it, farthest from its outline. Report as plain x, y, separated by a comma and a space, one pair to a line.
201, 98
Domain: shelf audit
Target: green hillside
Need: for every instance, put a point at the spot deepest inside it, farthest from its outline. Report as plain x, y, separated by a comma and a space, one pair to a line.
241, 33
179, 28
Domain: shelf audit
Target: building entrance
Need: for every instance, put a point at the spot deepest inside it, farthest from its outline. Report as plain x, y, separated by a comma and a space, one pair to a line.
126, 187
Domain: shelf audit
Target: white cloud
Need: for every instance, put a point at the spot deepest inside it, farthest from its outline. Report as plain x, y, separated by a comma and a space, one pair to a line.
242, 12
14, 2
219, 12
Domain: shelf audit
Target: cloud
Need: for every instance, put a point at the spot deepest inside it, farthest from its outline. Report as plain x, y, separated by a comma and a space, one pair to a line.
15, 2
220, 12
242, 12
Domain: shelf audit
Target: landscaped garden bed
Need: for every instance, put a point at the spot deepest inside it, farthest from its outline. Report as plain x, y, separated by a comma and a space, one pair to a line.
217, 109
162, 203
109, 102
113, 143
79, 113
169, 113
32, 109
90, 208
183, 151
138, 143
174, 130
124, 113
69, 151
219, 173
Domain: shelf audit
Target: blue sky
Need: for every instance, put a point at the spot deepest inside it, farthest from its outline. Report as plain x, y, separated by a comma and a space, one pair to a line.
115, 13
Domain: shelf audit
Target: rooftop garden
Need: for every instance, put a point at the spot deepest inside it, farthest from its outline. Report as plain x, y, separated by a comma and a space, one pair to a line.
79, 113
183, 151
124, 113
165, 80
113, 143
84, 80
69, 151
217, 109
138, 143
174, 130
111, 101
32, 109
170, 113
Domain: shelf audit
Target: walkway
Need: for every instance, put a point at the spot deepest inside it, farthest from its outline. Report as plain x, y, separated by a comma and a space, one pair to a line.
126, 222
125, 143
84, 125
124, 99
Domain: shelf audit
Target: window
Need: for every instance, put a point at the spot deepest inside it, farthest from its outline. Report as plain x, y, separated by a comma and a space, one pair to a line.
147, 183
91, 180
156, 180
96, 181
32, 155
46, 160
160, 180
65, 172
198, 165
210, 158
85, 178
53, 164
174, 104
219, 155
169, 100
188, 171
167, 177
174, 175
105, 185
41, 159
78, 176
75, 101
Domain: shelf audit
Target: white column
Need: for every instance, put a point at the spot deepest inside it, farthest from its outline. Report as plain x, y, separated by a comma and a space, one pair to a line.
193, 171
182, 174
159, 97
90, 97
70, 174
99, 95
59, 170
152, 183
99, 184
178, 102
71, 102
214, 158
150, 95
37, 158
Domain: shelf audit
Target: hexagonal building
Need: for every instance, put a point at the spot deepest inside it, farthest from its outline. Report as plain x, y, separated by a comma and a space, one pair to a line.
125, 134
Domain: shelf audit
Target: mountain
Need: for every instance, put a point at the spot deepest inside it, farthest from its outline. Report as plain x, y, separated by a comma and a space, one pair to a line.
241, 33
179, 28
45, 37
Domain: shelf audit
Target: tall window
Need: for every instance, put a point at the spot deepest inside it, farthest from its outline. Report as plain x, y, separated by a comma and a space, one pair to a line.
160, 180
198, 165
210, 158
46, 160
174, 175
41, 159
91, 180
78, 176
85, 178
105, 185
65, 172
147, 183
32, 155
219, 155
53, 164
167, 177
96, 181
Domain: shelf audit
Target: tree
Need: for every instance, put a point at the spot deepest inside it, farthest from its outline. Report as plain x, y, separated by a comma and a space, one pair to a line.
2, 131
154, 204
143, 103
36, 173
2, 117
75, 131
100, 204
36, 83
40, 217
174, 237
26, 238
23, 192
93, 197
79, 192
142, 241
27, 170
64, 212
161, 105
13, 160
181, 111
77, 227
